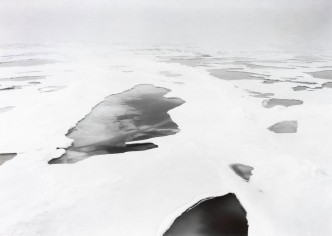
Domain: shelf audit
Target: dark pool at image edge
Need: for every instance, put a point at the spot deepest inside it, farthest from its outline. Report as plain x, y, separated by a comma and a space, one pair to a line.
217, 216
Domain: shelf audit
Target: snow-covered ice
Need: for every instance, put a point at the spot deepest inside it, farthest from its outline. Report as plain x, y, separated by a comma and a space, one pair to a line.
142, 193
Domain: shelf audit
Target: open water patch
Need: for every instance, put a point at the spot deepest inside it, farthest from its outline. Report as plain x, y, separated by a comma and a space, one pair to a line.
218, 216
121, 119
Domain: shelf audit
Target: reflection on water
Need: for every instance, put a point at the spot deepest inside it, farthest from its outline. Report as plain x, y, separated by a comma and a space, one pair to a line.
281, 102
220, 216
137, 114
4, 157
289, 126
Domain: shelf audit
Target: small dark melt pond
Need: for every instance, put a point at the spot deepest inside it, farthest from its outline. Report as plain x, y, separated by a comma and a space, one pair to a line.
220, 216
244, 171
137, 114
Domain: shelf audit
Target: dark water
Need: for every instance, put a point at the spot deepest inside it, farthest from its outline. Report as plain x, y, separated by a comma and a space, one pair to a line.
243, 171
219, 216
4, 157
136, 114
289, 126
281, 102
234, 75
324, 74
24, 78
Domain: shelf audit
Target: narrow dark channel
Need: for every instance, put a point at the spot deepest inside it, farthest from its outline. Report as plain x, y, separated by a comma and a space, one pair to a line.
219, 216
136, 114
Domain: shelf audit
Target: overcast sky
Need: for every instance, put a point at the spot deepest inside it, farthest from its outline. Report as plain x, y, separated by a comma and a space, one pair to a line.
211, 22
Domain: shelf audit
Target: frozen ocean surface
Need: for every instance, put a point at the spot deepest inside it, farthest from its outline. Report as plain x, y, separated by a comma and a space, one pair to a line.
274, 165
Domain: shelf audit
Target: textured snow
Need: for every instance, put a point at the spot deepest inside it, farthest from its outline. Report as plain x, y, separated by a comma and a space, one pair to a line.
142, 193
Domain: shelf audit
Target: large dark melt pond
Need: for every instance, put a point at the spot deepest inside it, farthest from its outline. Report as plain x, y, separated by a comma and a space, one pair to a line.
136, 114
220, 216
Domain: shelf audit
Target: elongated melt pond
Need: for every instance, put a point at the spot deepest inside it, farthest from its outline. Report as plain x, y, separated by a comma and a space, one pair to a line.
136, 114
281, 102
211, 217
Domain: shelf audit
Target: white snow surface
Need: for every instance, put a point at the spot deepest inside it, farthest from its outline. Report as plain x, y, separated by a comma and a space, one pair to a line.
141, 193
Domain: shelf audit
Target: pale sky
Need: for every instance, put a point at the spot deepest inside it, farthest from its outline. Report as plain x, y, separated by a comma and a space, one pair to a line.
215, 22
